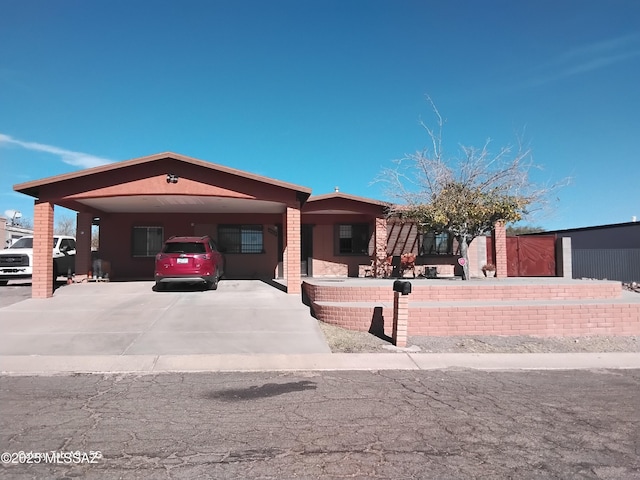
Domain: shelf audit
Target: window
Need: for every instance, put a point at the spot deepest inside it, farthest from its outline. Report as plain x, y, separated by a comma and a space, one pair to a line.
147, 241
353, 239
67, 245
436, 244
240, 238
185, 247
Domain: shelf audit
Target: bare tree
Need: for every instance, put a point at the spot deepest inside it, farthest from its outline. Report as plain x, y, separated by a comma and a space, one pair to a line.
95, 238
24, 222
464, 197
65, 226
523, 229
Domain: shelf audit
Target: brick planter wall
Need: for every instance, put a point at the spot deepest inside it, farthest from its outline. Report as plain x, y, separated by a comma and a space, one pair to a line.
579, 308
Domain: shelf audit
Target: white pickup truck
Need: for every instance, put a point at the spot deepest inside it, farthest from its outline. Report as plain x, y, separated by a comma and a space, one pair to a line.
16, 262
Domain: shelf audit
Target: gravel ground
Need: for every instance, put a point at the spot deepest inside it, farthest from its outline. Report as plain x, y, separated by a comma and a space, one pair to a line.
347, 341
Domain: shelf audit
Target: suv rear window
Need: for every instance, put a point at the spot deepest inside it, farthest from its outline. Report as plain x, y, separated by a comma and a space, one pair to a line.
184, 247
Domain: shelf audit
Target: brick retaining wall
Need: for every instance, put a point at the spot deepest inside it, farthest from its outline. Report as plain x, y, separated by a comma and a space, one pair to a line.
592, 308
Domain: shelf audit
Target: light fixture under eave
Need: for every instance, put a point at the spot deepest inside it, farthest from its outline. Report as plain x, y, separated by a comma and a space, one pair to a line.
171, 178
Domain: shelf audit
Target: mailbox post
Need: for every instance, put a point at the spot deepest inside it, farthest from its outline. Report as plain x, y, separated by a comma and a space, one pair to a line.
401, 291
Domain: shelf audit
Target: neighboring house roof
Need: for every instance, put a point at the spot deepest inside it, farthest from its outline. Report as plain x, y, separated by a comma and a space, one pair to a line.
585, 229
33, 188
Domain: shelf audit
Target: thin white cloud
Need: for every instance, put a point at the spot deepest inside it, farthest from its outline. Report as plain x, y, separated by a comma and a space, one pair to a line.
77, 159
587, 58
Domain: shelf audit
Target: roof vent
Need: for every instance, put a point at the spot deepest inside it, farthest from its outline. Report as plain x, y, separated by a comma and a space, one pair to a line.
336, 189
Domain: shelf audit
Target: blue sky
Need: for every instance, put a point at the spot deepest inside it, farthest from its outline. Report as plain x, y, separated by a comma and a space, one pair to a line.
325, 93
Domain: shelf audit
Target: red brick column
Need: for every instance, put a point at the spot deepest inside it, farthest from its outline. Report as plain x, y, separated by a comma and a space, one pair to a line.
42, 280
499, 238
292, 250
380, 253
83, 243
400, 319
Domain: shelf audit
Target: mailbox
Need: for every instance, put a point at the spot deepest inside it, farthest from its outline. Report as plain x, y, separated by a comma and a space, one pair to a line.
403, 287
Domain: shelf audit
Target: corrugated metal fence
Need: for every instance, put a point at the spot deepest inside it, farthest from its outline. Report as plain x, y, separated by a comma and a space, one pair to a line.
622, 264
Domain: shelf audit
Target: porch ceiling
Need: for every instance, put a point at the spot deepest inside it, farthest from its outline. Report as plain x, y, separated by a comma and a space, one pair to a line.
181, 204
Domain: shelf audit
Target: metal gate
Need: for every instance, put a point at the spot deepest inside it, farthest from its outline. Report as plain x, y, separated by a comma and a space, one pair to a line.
528, 256
531, 256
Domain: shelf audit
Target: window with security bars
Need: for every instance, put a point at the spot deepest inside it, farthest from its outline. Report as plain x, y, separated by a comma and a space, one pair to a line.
147, 241
352, 239
437, 244
240, 238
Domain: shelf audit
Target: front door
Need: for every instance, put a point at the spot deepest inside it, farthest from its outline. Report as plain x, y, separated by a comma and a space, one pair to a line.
306, 249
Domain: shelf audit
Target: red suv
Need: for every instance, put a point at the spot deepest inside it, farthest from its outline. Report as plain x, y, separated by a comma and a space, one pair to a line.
189, 260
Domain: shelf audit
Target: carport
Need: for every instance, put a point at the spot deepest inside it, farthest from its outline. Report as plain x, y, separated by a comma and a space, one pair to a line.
139, 203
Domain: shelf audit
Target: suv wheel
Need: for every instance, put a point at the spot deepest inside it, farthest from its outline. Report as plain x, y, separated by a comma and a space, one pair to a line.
213, 285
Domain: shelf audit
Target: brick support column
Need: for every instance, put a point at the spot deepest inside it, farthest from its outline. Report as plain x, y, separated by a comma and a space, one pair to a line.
499, 238
380, 247
400, 319
83, 242
292, 250
42, 280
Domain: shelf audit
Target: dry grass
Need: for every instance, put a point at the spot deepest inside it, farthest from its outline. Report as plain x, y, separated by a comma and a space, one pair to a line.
341, 340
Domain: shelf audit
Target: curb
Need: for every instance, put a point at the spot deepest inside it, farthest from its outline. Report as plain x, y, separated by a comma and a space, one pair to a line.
29, 365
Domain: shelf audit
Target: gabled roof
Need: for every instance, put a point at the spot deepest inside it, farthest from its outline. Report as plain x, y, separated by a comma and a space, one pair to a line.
33, 188
346, 196
343, 203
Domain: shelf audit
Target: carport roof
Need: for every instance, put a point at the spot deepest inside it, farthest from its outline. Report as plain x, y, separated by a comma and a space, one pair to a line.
33, 188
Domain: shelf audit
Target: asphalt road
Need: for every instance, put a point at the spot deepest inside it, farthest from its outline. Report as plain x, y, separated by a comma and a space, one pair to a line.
394, 424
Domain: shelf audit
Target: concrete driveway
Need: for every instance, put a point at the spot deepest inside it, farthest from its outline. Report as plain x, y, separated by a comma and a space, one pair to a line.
129, 318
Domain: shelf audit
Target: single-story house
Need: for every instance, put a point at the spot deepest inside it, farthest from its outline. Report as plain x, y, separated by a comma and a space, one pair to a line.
266, 228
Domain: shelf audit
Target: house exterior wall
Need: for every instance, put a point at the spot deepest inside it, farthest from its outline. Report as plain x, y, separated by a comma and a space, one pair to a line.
10, 233
116, 242
326, 261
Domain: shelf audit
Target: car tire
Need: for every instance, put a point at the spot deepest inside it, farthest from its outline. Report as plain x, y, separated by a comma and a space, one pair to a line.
213, 285
55, 273
159, 287
3, 282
